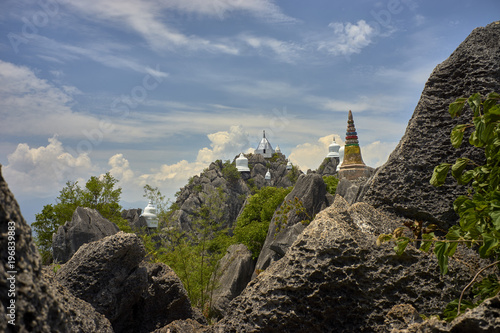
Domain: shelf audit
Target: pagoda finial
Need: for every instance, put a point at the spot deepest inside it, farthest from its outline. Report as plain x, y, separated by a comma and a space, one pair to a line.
263, 133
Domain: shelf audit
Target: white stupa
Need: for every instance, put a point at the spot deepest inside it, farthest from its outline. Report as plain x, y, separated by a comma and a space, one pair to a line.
265, 149
268, 175
278, 149
341, 157
242, 163
333, 150
289, 165
150, 215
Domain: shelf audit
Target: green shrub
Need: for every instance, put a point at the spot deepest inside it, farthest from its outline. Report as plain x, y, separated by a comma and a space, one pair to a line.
331, 184
253, 223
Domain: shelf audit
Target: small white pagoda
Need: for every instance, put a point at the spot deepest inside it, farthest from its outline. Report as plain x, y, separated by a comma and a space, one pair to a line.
242, 163
150, 215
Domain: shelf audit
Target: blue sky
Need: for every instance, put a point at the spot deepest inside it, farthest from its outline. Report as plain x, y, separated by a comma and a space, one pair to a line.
153, 91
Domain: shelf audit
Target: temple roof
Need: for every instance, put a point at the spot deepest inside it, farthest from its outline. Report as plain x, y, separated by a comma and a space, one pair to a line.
264, 144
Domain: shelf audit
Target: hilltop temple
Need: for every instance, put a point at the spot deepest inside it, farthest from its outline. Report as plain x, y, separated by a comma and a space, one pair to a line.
265, 149
352, 166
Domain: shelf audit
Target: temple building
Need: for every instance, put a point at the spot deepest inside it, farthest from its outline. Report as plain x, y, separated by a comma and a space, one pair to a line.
352, 166
333, 151
264, 147
242, 163
150, 215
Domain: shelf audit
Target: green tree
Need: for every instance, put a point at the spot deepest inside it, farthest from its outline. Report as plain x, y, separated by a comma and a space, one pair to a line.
99, 194
253, 223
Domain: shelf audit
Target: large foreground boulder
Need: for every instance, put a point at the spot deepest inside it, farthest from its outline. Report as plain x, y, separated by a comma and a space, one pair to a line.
39, 305
308, 197
401, 185
335, 279
135, 296
86, 226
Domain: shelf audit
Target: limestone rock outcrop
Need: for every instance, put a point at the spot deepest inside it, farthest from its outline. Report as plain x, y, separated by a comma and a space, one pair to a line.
135, 296
310, 190
401, 185
134, 218
328, 167
335, 279
483, 319
215, 177
39, 305
233, 274
86, 225
106, 274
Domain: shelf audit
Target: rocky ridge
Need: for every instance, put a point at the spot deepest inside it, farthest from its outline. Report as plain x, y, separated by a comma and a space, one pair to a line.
40, 306
401, 185
235, 189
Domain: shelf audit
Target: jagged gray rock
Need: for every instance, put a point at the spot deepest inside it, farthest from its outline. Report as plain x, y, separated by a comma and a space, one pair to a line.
233, 274
134, 218
134, 295
86, 225
310, 190
39, 306
335, 279
164, 300
192, 196
401, 185
483, 319
352, 190
328, 167
106, 274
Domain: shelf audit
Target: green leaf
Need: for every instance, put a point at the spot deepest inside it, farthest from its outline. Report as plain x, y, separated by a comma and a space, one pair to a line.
450, 312
427, 241
458, 167
490, 244
495, 219
455, 108
474, 140
401, 244
457, 135
494, 110
466, 177
440, 249
439, 175
383, 238
475, 103
459, 202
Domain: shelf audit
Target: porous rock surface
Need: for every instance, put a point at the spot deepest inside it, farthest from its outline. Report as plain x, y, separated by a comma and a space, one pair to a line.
234, 272
134, 295
483, 319
335, 279
86, 225
401, 185
310, 190
40, 306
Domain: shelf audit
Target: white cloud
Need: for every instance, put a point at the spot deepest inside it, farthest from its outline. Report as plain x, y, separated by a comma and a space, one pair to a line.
264, 9
376, 153
348, 38
224, 145
44, 170
284, 51
311, 155
144, 18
